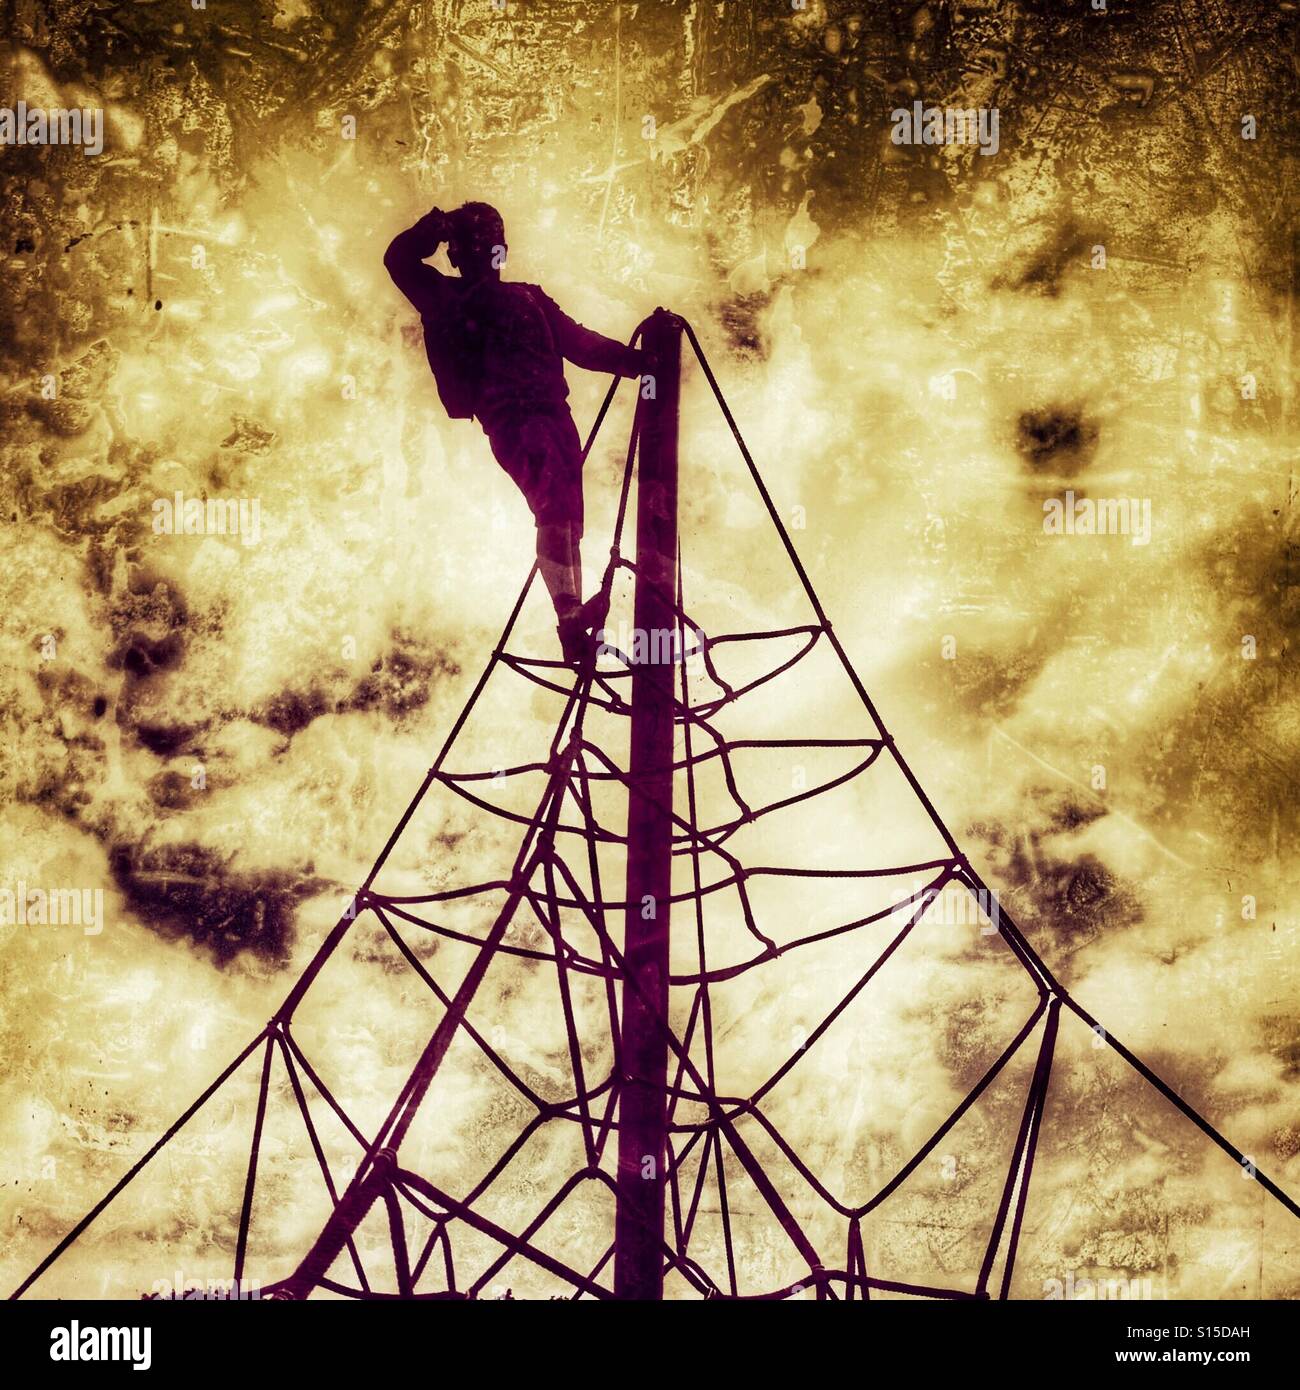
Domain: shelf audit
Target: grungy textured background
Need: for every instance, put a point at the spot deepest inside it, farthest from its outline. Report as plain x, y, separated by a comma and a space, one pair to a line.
922, 348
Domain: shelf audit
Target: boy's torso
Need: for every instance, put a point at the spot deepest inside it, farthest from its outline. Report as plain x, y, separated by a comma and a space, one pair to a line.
494, 341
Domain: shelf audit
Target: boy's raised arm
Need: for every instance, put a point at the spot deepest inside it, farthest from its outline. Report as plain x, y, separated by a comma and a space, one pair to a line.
404, 260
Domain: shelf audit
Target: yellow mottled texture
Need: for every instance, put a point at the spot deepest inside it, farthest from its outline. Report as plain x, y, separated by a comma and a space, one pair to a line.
923, 347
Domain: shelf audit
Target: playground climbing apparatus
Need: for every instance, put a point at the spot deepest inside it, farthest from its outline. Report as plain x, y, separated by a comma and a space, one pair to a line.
647, 910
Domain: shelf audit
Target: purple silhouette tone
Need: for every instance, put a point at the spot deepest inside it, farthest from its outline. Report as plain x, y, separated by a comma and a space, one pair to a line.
497, 350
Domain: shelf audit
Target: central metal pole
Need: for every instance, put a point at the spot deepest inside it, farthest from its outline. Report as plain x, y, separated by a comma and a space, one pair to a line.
642, 1107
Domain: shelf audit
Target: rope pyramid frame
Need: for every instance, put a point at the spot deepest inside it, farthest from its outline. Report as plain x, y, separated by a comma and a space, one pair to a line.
545, 883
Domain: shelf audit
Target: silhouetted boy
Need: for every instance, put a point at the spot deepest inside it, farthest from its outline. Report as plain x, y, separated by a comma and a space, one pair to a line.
496, 349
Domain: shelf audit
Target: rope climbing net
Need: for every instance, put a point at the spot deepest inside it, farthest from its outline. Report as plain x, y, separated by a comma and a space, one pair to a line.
551, 912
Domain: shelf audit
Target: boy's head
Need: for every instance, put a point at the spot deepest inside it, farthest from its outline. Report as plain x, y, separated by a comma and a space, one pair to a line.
476, 244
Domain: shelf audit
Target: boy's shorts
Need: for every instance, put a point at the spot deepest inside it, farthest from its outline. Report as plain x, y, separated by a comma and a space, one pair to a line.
543, 455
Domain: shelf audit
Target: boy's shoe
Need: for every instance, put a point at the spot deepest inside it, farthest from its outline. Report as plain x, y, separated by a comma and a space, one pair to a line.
578, 645
577, 625
594, 612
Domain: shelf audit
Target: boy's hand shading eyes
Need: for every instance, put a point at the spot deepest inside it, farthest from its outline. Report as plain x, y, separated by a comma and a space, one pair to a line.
433, 229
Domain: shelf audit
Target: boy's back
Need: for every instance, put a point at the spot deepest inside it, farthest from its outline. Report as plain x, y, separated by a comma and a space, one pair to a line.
498, 339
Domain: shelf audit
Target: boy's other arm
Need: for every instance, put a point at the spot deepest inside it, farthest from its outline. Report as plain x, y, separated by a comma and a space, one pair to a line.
590, 350
404, 261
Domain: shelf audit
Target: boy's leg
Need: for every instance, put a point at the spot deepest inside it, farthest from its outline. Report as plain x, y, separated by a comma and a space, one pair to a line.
559, 558
545, 461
